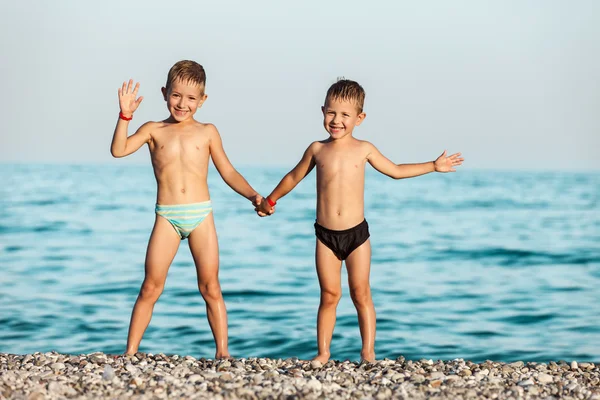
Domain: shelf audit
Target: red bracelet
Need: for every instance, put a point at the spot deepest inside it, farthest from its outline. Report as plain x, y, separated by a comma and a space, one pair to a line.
271, 202
124, 117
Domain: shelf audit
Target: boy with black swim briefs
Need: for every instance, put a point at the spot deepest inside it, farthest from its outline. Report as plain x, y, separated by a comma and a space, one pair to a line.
341, 229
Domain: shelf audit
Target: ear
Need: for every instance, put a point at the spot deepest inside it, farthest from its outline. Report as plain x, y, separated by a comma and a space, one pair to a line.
323, 109
202, 100
361, 118
164, 92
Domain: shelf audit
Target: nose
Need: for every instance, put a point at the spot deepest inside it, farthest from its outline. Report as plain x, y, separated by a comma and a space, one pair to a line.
180, 102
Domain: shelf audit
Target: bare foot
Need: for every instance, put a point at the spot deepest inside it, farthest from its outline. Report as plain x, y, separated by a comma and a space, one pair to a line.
322, 358
223, 356
367, 357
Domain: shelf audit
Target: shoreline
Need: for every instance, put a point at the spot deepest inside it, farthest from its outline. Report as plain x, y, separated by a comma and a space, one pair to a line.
147, 376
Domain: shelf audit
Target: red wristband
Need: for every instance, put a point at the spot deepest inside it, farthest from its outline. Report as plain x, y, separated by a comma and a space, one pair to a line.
124, 117
271, 202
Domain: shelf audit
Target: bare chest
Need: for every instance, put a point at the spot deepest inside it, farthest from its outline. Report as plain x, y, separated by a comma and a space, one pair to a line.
340, 167
168, 146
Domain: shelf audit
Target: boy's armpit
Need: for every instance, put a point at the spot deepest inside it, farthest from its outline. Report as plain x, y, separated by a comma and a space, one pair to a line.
370, 150
381, 163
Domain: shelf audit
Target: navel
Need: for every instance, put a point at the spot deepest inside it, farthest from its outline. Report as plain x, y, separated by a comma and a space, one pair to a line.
197, 148
162, 147
182, 190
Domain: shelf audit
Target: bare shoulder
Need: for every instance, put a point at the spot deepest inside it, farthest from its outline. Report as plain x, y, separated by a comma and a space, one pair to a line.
206, 126
315, 146
365, 144
154, 126
148, 129
207, 129
151, 126
366, 147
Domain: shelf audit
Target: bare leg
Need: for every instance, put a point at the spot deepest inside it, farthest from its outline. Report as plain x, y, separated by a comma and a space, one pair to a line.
205, 250
329, 273
358, 265
162, 247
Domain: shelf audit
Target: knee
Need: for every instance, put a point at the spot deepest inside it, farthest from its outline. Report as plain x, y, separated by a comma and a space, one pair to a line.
330, 298
151, 291
210, 291
361, 296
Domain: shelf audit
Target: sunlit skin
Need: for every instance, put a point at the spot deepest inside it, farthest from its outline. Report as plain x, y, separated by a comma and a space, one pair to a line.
180, 148
340, 161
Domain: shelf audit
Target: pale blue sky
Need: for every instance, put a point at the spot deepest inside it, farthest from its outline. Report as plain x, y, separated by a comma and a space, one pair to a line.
511, 84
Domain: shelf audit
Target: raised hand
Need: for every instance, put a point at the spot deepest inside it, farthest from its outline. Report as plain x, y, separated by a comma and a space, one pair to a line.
127, 100
446, 163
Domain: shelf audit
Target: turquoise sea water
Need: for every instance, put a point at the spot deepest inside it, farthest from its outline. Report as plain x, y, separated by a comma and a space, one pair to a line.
476, 265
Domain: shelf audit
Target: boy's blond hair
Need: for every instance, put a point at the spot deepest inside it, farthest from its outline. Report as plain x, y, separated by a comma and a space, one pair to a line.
345, 89
188, 72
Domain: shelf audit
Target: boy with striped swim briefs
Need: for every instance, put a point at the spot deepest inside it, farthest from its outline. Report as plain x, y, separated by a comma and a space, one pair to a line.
341, 229
180, 148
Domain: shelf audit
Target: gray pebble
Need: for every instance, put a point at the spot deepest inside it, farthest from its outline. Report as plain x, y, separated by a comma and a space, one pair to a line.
314, 385
574, 365
437, 375
544, 378
57, 366
527, 382
108, 373
517, 364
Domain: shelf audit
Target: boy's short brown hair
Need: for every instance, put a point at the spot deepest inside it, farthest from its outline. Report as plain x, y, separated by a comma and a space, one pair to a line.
345, 89
186, 71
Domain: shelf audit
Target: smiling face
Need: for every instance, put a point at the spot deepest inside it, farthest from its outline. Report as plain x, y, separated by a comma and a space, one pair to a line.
340, 117
184, 99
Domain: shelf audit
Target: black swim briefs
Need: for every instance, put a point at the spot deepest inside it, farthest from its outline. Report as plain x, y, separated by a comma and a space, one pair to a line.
342, 243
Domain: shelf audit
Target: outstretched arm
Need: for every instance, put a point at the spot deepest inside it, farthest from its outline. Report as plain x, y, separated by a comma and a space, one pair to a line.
229, 174
122, 145
382, 164
291, 179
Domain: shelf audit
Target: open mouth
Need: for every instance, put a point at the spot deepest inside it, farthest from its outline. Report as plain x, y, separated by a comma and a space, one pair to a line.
180, 113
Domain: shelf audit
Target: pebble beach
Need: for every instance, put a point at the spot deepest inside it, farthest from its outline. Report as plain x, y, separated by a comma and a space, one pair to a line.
158, 376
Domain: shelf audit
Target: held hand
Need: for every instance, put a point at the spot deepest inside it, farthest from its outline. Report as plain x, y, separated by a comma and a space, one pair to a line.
127, 100
447, 163
263, 209
257, 200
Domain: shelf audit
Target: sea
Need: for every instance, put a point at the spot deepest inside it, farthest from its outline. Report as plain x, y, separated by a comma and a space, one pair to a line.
478, 264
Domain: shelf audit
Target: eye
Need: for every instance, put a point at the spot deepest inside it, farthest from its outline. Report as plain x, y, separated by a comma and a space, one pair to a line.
346, 115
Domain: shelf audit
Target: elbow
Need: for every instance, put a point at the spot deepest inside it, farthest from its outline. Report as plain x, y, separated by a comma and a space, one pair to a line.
116, 154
